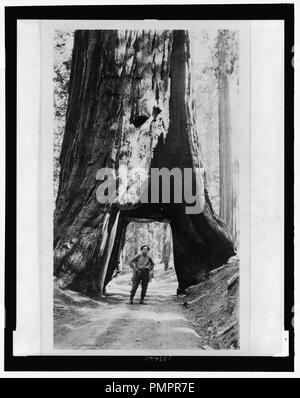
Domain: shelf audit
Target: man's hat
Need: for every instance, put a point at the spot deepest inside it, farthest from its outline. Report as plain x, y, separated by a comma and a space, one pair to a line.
148, 247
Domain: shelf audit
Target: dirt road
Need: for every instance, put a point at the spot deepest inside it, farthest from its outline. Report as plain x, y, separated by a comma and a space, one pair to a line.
110, 323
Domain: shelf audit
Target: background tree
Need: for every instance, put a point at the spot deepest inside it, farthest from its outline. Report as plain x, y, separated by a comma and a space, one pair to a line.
130, 102
216, 59
63, 45
226, 71
166, 246
155, 234
206, 102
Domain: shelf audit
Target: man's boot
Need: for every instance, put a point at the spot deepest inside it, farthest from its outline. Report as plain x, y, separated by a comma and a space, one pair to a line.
142, 301
130, 300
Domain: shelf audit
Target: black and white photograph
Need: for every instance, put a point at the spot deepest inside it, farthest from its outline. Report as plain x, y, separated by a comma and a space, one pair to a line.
154, 219
145, 172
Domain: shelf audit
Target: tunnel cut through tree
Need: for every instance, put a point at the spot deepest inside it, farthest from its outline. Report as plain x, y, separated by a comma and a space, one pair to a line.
130, 103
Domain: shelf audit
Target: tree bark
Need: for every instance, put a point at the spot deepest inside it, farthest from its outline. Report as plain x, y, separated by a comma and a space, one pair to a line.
166, 247
130, 102
226, 183
227, 164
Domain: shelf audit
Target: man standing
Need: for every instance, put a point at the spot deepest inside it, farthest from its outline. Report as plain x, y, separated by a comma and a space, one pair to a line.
141, 264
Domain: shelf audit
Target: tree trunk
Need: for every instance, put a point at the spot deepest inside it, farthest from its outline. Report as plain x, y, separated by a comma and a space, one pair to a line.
226, 186
166, 249
130, 102
227, 164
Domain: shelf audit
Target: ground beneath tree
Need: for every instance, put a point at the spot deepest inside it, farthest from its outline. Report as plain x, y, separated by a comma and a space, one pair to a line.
165, 323
110, 323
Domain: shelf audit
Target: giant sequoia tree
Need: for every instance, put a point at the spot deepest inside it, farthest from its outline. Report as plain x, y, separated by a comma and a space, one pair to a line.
130, 102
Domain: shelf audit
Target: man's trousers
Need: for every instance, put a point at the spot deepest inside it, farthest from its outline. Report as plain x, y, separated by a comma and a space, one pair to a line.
140, 276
